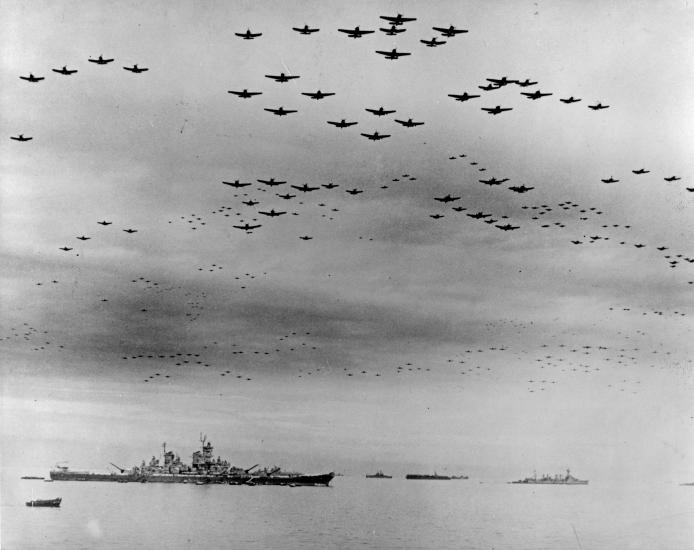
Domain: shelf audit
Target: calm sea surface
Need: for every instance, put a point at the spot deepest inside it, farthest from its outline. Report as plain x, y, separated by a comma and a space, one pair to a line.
353, 513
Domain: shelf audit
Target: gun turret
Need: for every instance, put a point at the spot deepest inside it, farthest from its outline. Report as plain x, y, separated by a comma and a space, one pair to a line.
248, 471
122, 470
274, 470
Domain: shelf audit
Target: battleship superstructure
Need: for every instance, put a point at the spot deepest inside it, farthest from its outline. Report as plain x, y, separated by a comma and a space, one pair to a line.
557, 479
204, 468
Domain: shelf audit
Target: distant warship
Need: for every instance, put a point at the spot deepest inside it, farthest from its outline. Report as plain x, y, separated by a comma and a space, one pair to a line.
557, 479
379, 475
426, 476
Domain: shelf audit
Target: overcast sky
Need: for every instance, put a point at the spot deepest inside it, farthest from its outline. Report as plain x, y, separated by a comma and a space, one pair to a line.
390, 339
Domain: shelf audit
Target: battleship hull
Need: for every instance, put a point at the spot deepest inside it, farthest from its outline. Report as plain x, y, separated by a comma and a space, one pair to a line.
426, 476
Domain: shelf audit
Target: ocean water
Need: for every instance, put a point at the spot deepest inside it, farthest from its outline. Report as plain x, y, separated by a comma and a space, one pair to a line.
352, 513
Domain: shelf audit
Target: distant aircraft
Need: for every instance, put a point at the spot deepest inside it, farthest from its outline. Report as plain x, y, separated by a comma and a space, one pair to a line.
354, 191
507, 227
318, 94
459, 208
392, 31
409, 123
398, 19
247, 227
496, 110
671, 178
281, 111
272, 213
83, 238
609, 180
525, 83
65, 248
690, 189
100, 60
305, 188
245, 93
355, 33
271, 182
450, 31
250, 202
493, 181
376, 136
571, 99
304, 30
521, 189
104, 222
306, 238
598, 106
342, 123
489, 87
661, 248
380, 111
281, 77
130, 230
478, 215
64, 71
503, 81
639, 245
537, 94
236, 184
330, 185
436, 216
248, 35
136, 69
463, 97
577, 242
393, 54
32, 78
641, 171
21, 137
447, 198
286, 197
433, 42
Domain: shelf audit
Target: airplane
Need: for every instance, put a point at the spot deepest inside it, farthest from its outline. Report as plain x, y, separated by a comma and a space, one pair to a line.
32, 78
408, 123
64, 71
354, 191
245, 93
236, 184
342, 123
392, 31
507, 227
21, 137
537, 94
330, 185
104, 222
598, 106
661, 248
380, 111
447, 198
503, 81
478, 215
281, 111
306, 238
65, 248
272, 213
490, 222
136, 69
641, 171
450, 31
489, 87
376, 136
464, 97
436, 216
271, 182
281, 77
250, 202
393, 54
571, 99
496, 110
304, 30
286, 197
355, 33
247, 227
639, 245
318, 94
521, 189
671, 178
493, 181
100, 60
459, 208
690, 189
609, 180
83, 238
433, 42
305, 188
577, 242
525, 83
248, 35
130, 230
398, 19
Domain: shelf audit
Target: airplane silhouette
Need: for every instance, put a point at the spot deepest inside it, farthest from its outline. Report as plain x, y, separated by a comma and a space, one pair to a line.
245, 93
64, 71
65, 248
304, 30
100, 60
248, 35
537, 94
83, 238
671, 178
393, 54
463, 97
598, 106
21, 137
355, 33
496, 110
503, 81
130, 230
525, 83
398, 19
271, 182
450, 31
236, 184
459, 208
609, 180
493, 181
250, 202
571, 99
136, 69
306, 238
489, 87
447, 198
433, 42
318, 94
272, 213
392, 31
521, 189
436, 216
354, 191
330, 185
380, 111
641, 171
281, 77
408, 123
32, 78
342, 123
281, 111
376, 136
286, 196
507, 227
305, 188
478, 215
104, 222
247, 227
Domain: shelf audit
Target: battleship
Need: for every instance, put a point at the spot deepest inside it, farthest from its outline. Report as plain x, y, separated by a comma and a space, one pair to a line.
379, 475
557, 479
204, 469
426, 476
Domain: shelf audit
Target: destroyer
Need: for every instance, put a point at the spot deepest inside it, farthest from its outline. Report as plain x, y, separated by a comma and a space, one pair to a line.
379, 475
204, 469
557, 479
426, 476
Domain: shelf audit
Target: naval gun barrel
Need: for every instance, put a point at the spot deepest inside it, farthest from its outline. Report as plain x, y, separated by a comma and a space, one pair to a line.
122, 470
248, 471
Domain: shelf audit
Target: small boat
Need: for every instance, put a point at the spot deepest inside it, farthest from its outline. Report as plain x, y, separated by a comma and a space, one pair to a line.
32, 477
53, 503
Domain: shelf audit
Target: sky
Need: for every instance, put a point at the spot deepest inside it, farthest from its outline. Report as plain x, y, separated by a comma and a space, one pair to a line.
389, 339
